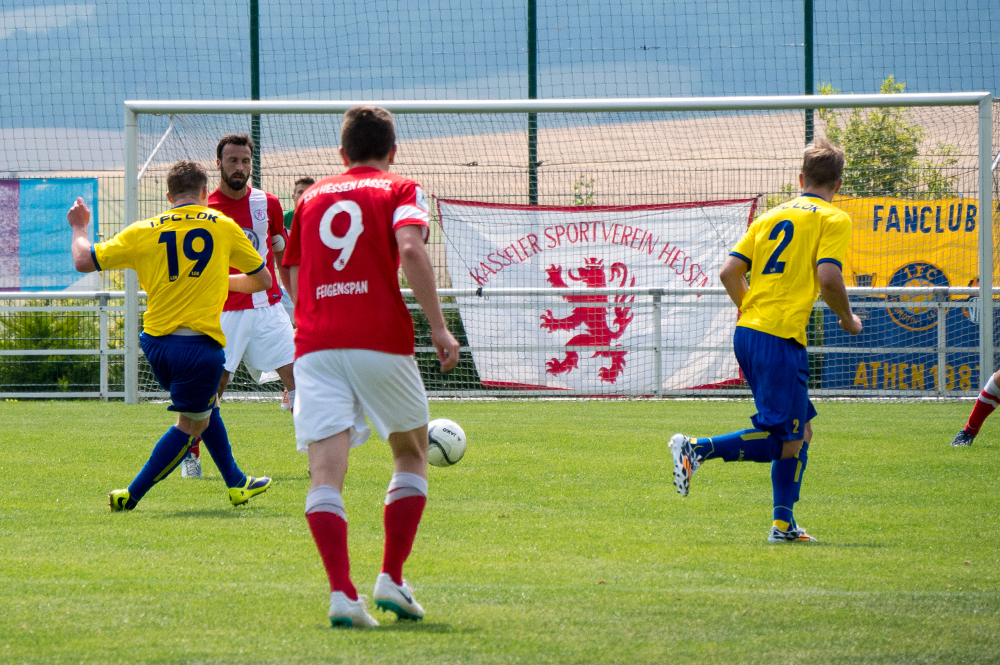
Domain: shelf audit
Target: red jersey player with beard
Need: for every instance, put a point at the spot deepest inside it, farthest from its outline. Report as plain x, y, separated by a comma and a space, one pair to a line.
257, 328
354, 351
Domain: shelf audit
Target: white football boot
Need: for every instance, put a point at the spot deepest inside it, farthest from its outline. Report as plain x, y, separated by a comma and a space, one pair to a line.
686, 462
795, 534
349, 613
390, 597
191, 466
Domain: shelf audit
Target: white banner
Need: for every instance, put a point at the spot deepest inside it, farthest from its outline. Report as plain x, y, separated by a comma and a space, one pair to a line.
519, 344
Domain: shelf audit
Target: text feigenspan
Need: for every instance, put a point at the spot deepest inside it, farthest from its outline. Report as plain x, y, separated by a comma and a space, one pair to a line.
341, 289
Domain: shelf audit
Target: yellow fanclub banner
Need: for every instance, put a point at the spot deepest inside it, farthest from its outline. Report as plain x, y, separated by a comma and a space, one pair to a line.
900, 242
907, 243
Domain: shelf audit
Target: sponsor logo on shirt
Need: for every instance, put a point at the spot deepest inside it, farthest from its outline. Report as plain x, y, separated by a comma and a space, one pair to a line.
421, 199
341, 289
253, 238
347, 186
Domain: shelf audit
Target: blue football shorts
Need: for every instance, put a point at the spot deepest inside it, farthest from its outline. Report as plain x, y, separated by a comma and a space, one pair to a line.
777, 371
188, 366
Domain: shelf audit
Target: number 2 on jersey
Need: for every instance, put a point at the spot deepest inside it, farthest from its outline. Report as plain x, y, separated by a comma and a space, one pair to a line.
773, 265
200, 257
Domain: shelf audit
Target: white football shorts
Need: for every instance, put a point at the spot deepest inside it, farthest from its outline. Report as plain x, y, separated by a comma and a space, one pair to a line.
335, 389
261, 337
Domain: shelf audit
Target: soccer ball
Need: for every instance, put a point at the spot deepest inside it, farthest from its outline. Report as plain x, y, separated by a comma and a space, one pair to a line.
447, 442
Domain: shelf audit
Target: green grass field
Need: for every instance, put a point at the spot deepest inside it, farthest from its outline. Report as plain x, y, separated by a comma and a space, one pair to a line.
558, 539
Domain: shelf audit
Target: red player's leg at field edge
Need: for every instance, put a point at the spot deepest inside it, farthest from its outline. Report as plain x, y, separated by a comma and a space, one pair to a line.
989, 399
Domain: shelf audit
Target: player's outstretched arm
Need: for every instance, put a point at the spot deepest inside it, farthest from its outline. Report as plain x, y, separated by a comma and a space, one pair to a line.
258, 281
79, 220
733, 277
420, 274
831, 287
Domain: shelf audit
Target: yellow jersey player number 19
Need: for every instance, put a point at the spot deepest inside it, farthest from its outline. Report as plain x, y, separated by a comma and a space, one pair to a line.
182, 258
793, 253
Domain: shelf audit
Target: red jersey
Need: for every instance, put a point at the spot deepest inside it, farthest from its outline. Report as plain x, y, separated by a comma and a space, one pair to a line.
343, 240
259, 215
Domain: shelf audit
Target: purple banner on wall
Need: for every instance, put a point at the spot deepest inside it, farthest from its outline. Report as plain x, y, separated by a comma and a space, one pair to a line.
10, 236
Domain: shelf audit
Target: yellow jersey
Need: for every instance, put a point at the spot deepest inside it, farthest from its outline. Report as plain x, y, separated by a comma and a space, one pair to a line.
783, 248
182, 258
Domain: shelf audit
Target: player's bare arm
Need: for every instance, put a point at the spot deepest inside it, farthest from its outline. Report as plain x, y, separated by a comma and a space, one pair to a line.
733, 277
293, 284
283, 274
420, 275
258, 281
79, 220
831, 287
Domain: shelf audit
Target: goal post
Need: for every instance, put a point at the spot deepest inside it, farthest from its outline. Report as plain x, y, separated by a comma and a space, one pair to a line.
581, 124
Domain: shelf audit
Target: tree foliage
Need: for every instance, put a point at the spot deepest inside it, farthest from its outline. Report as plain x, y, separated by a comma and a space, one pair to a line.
583, 190
882, 149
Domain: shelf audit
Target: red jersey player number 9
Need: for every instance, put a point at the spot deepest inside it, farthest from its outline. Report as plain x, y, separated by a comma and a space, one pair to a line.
349, 240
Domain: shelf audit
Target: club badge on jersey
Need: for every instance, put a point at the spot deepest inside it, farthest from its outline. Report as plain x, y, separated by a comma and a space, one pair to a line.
258, 214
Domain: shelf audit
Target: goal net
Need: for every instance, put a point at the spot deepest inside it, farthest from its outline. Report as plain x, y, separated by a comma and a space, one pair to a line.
577, 243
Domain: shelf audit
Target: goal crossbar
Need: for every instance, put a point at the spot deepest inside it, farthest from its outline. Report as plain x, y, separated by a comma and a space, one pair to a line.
635, 104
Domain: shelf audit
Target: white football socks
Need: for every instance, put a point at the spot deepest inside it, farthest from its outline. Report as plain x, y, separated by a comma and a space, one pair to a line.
993, 391
325, 499
403, 485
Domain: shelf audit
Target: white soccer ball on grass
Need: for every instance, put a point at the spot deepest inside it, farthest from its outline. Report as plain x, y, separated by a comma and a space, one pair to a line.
447, 442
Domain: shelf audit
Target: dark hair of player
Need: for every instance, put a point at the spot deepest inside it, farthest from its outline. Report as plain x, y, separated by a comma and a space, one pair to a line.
822, 163
233, 139
368, 132
186, 178
305, 180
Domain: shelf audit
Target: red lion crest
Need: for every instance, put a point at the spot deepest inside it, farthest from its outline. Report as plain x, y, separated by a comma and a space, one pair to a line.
594, 317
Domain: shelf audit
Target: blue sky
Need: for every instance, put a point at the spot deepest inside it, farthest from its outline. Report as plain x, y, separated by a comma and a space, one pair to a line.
71, 64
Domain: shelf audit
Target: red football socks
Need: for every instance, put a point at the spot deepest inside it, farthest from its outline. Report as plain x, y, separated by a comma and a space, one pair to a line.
195, 448
985, 405
401, 519
988, 401
330, 533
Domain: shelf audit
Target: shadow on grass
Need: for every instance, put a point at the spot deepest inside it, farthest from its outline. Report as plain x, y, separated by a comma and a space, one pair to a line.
863, 545
403, 626
221, 512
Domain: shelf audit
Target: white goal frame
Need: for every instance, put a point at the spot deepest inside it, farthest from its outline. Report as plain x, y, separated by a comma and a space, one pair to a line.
134, 108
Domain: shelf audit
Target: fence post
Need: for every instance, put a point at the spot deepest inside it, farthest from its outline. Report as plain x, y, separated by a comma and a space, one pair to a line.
532, 94
131, 341
942, 340
102, 303
985, 239
657, 342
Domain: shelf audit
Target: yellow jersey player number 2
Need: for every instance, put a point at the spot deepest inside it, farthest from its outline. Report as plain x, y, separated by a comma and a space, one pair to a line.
792, 253
182, 257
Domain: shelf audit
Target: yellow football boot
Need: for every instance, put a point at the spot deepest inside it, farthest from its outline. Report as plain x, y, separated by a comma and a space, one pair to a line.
252, 487
120, 500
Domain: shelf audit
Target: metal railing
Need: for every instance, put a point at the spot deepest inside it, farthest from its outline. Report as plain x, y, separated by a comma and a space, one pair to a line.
113, 305
101, 307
